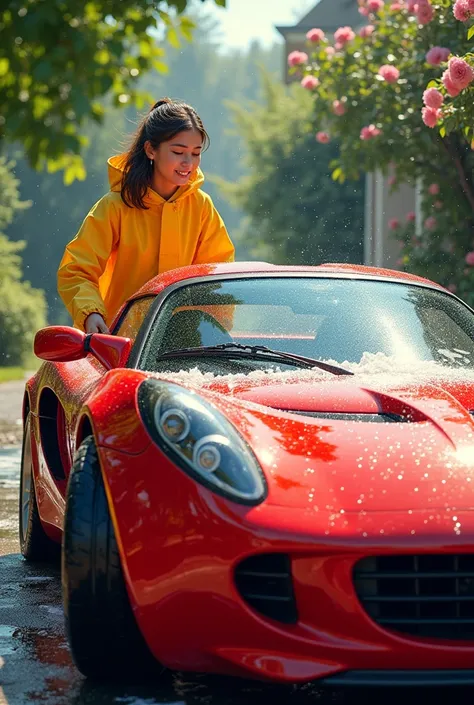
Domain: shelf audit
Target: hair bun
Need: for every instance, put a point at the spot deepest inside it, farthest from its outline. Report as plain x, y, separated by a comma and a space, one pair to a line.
159, 103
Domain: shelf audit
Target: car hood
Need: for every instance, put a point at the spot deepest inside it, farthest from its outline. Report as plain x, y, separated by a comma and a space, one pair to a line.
405, 446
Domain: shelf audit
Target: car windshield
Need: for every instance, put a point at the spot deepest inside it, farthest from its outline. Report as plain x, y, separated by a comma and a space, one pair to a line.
326, 319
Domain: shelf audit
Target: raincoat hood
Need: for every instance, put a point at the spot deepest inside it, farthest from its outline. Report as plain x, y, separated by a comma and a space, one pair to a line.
116, 167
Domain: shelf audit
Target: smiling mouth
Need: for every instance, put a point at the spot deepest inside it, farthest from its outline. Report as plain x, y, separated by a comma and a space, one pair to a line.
183, 173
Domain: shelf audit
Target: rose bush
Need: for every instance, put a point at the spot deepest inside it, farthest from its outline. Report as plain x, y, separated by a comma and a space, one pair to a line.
398, 96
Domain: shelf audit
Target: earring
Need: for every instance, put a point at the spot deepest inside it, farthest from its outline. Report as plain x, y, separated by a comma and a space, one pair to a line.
151, 162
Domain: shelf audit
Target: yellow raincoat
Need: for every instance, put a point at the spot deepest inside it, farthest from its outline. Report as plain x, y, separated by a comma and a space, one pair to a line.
118, 249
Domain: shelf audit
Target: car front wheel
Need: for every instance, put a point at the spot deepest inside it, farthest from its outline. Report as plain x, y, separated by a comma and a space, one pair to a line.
103, 635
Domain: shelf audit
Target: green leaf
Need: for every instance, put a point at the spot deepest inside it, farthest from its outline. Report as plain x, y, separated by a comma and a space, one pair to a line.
4, 65
180, 5
470, 33
160, 66
102, 57
69, 175
442, 131
145, 49
336, 174
187, 32
172, 37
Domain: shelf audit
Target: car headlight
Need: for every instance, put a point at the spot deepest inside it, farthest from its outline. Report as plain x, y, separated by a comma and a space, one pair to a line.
201, 441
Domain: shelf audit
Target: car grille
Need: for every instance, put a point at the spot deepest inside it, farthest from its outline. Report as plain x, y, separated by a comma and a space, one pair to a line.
423, 595
266, 585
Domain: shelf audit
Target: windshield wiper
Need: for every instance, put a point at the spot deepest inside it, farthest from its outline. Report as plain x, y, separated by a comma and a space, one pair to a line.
254, 352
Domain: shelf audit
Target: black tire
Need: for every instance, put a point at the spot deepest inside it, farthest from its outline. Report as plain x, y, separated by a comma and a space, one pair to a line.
35, 545
103, 635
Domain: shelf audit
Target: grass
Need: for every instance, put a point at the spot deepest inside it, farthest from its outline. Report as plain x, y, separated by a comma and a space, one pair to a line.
7, 374
30, 366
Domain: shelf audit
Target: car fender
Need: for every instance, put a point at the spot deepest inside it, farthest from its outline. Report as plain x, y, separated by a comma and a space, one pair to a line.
112, 411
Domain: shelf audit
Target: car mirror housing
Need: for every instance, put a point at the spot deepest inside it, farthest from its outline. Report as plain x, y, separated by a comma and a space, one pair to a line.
66, 344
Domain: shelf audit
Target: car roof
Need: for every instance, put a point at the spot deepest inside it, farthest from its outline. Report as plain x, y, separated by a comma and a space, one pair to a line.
195, 271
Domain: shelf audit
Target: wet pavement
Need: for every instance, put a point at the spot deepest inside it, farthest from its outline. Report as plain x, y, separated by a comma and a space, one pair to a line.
36, 667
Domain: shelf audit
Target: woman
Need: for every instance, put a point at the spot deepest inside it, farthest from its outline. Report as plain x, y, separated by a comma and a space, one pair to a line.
154, 218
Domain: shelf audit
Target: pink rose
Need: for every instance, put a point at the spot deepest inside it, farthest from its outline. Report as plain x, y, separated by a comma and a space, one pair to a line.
411, 217
433, 98
366, 31
437, 55
389, 73
315, 36
430, 116
424, 13
461, 10
460, 73
433, 189
310, 82
369, 132
323, 137
296, 58
393, 224
451, 88
343, 35
396, 6
470, 259
431, 223
330, 51
364, 11
375, 5
339, 107
412, 5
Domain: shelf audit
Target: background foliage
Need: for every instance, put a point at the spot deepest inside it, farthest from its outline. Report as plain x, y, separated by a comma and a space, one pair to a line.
295, 213
22, 308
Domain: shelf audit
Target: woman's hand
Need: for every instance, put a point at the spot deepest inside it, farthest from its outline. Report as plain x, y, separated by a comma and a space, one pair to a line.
95, 324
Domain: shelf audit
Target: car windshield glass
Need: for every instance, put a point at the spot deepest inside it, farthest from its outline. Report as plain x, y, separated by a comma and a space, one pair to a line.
326, 319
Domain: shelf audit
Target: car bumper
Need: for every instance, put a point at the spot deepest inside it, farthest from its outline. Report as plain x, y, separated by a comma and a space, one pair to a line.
180, 545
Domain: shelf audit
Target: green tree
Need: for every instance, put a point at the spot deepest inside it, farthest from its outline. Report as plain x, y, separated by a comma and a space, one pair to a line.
295, 212
22, 308
368, 97
59, 58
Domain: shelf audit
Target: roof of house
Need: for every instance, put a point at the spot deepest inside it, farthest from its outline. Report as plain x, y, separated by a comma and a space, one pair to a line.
328, 15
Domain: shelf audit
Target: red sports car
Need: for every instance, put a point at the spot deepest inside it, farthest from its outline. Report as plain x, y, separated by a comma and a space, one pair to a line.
263, 471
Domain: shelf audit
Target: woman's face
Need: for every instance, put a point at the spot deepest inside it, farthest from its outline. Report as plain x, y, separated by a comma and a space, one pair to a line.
176, 161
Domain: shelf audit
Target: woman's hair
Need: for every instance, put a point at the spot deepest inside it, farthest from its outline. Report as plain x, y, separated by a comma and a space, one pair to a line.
165, 120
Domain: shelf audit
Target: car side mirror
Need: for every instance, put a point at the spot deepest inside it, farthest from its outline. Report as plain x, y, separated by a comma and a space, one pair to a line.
66, 344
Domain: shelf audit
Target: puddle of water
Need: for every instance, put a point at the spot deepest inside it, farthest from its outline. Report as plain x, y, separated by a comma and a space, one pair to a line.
10, 459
